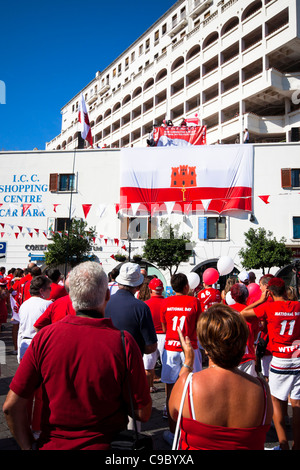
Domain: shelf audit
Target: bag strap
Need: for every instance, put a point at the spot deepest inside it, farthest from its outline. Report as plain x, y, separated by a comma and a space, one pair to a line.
175, 443
128, 385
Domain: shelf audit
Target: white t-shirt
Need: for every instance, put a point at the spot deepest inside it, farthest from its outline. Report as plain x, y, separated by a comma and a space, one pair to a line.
29, 312
113, 287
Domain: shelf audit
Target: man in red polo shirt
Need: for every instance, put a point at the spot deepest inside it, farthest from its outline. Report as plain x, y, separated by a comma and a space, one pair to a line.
78, 362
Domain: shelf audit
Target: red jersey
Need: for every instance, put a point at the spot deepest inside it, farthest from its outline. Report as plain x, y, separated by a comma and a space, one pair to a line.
57, 291
155, 303
59, 309
9, 279
283, 322
20, 288
254, 328
208, 297
180, 311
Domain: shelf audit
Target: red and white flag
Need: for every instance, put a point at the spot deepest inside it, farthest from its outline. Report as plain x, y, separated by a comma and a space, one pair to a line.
180, 136
192, 121
83, 118
213, 178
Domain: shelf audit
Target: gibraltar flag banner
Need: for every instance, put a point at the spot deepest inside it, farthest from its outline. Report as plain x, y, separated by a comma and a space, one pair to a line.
179, 136
83, 118
215, 178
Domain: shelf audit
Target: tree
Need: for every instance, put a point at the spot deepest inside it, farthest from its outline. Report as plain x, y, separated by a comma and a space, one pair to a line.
167, 249
71, 248
264, 251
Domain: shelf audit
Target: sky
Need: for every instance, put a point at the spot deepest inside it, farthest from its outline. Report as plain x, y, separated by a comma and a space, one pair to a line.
50, 50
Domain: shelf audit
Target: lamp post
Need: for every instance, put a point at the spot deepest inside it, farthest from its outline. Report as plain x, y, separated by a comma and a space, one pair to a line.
129, 245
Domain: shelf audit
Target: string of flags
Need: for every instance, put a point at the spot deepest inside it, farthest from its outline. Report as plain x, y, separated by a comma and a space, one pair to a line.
122, 209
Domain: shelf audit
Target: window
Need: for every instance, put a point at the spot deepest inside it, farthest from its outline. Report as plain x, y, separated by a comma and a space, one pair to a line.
156, 35
132, 56
212, 228
290, 177
141, 49
147, 44
139, 228
61, 224
66, 182
164, 29
296, 227
61, 182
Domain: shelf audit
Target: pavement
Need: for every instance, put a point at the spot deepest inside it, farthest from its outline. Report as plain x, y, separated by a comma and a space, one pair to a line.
155, 426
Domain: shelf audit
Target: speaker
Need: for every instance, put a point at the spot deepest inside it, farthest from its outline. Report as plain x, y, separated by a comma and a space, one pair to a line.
295, 135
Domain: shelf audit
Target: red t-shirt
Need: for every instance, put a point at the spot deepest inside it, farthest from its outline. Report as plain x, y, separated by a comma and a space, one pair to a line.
20, 298
283, 322
57, 291
180, 311
80, 364
59, 309
254, 328
155, 303
208, 297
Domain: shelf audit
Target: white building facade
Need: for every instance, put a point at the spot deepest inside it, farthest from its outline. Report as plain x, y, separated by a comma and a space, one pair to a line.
40, 190
235, 63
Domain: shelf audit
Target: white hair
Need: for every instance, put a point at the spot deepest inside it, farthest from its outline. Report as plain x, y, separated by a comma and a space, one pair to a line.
87, 286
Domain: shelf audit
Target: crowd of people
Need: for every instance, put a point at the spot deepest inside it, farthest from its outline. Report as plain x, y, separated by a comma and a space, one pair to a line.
229, 360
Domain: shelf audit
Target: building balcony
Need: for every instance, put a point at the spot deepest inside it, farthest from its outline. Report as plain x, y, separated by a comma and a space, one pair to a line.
92, 98
178, 25
199, 6
104, 89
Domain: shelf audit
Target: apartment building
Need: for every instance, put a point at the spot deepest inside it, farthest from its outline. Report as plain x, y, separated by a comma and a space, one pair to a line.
235, 63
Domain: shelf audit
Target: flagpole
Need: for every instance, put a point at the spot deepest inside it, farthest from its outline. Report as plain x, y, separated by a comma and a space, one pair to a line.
85, 134
70, 213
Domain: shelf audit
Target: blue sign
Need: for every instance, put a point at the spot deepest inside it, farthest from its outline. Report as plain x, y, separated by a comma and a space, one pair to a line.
2, 247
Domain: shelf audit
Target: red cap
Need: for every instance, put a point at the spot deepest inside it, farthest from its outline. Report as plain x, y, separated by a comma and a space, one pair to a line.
156, 285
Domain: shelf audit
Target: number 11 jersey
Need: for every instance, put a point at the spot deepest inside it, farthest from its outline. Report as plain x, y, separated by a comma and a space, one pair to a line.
283, 323
180, 311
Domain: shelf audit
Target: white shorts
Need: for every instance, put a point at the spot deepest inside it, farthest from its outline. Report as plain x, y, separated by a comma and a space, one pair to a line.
172, 363
248, 367
150, 359
284, 378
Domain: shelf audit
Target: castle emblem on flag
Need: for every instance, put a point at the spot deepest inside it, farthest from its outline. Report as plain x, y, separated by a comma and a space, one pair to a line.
183, 176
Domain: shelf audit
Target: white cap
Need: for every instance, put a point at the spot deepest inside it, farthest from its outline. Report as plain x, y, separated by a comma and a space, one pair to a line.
243, 276
130, 275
